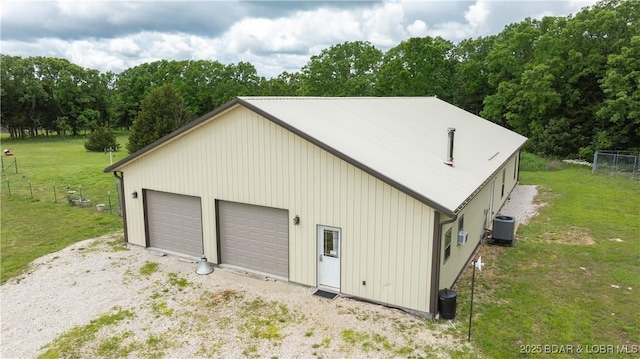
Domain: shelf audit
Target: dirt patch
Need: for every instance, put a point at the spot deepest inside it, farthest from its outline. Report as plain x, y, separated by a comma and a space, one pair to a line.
98, 298
573, 235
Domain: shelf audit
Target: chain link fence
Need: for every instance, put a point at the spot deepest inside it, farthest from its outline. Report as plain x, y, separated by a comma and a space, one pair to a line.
616, 163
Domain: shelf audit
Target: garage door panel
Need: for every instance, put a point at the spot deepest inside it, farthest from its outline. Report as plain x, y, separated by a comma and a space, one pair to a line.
174, 222
254, 237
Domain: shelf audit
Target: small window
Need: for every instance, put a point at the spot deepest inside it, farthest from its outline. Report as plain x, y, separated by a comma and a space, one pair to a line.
460, 227
447, 245
331, 246
504, 176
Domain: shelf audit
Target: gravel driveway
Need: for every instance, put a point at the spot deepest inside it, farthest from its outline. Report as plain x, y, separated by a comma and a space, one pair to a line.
99, 298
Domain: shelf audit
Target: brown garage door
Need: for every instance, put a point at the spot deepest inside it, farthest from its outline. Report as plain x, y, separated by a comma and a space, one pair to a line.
174, 222
254, 237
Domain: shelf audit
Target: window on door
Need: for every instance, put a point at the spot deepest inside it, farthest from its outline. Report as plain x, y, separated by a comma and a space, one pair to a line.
447, 245
331, 246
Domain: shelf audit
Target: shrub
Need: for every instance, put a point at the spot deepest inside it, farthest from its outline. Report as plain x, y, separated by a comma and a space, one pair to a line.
532, 162
101, 139
556, 165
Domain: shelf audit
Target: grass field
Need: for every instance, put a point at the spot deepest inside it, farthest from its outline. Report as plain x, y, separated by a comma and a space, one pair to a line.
568, 283
32, 227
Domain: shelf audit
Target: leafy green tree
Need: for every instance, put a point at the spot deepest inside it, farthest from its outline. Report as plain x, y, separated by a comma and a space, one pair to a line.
197, 83
621, 108
347, 69
88, 119
101, 139
471, 78
131, 86
563, 81
512, 49
418, 67
161, 112
285, 84
235, 80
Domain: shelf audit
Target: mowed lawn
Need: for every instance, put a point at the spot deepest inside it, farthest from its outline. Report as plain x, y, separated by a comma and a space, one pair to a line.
571, 283
32, 227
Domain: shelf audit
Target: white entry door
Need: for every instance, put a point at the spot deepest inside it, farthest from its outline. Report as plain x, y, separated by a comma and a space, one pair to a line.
329, 257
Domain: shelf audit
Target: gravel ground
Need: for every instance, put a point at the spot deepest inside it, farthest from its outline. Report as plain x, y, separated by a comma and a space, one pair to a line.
92, 300
520, 204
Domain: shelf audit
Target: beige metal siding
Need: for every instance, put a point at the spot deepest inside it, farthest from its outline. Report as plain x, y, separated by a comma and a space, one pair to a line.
243, 157
474, 224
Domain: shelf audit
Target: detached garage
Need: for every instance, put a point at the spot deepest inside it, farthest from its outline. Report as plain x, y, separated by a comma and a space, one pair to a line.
377, 198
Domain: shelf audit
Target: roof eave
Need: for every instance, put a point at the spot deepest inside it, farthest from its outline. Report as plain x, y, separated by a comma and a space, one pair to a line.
484, 183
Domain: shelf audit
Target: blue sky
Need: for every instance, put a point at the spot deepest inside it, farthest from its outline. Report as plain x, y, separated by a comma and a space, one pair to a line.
274, 36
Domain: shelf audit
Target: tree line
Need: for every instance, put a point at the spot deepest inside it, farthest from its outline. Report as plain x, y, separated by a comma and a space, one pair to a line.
570, 83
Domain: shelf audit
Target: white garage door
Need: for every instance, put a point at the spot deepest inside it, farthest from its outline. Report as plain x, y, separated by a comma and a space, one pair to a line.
254, 237
174, 222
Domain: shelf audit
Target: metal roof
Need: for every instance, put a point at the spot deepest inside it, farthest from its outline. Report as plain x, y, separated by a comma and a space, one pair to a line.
401, 140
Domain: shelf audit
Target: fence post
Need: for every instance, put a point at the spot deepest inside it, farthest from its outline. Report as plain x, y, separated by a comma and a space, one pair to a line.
55, 196
8, 186
15, 162
30, 189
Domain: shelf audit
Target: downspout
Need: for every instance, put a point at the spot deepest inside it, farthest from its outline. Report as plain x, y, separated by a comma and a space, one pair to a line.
435, 261
124, 207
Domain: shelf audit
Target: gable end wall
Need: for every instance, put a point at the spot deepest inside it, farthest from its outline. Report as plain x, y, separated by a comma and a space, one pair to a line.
243, 157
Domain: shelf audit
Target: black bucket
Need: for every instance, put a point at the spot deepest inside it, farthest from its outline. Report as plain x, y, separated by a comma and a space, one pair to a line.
447, 303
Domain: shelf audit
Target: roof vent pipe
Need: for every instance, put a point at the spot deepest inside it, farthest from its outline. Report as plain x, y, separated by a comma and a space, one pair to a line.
451, 132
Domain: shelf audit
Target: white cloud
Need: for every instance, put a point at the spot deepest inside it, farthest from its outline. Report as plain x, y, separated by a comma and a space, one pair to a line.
477, 16
383, 24
125, 46
417, 29
86, 10
292, 34
87, 54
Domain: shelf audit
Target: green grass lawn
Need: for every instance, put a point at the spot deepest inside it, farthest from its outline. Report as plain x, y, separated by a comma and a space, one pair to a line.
565, 282
32, 227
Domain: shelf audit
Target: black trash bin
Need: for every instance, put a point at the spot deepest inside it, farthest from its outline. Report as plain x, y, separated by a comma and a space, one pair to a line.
447, 303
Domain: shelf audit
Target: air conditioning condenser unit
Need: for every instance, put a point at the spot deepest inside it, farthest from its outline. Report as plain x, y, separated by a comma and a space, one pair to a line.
462, 237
